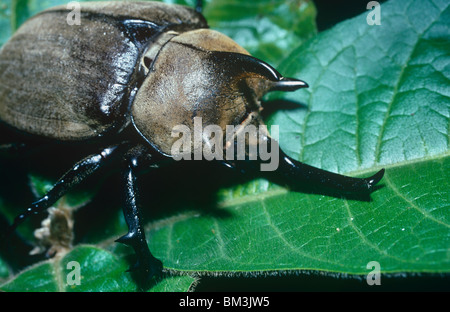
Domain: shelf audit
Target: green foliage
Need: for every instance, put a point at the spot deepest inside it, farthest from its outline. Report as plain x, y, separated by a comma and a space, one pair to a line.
378, 97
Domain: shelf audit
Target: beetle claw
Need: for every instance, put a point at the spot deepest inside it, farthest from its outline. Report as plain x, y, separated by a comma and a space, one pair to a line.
146, 263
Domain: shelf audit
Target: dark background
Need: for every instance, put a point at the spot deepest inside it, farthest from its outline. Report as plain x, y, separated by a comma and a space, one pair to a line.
329, 13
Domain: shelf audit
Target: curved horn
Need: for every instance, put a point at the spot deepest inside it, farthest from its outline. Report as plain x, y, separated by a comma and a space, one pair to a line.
242, 64
246, 65
295, 170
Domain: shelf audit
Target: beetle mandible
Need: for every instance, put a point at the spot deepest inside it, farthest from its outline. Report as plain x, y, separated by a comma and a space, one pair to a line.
140, 69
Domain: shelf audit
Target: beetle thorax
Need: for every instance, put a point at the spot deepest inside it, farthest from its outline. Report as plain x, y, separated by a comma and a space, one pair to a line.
185, 80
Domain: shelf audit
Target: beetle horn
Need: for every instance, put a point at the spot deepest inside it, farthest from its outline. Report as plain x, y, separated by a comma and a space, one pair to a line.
295, 170
289, 84
243, 64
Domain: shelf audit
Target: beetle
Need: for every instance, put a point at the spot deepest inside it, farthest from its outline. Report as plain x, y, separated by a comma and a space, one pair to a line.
121, 81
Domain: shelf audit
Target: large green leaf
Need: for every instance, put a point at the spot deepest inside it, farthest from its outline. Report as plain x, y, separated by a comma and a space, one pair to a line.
378, 97
98, 270
379, 94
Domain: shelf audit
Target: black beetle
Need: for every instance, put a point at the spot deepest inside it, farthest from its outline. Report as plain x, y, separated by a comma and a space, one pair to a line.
141, 69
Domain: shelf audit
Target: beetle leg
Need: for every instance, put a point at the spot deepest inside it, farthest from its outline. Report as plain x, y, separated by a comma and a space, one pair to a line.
146, 263
71, 178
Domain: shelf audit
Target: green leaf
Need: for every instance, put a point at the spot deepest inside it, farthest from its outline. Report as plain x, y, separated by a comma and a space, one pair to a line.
37, 278
98, 270
5, 21
267, 29
378, 94
4, 270
270, 229
378, 97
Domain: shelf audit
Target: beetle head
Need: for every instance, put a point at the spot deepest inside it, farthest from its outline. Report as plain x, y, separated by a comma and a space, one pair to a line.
201, 73
205, 74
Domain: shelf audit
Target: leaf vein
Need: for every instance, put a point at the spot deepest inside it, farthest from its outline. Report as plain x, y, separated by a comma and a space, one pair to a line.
411, 202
